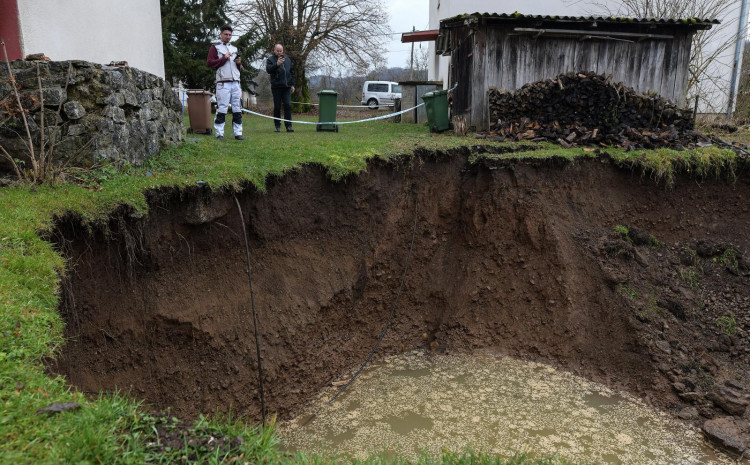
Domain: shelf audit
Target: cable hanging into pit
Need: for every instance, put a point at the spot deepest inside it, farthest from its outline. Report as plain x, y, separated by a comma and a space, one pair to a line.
255, 314
390, 317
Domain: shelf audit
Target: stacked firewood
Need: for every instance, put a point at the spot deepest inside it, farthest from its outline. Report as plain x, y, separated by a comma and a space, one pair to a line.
589, 109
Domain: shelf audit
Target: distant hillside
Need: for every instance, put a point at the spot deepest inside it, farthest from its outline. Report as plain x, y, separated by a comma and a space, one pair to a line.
350, 87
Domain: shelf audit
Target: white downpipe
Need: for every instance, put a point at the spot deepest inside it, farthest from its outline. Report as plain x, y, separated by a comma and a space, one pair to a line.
734, 84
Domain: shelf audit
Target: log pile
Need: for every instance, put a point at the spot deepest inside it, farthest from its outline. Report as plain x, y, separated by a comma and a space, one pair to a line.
589, 109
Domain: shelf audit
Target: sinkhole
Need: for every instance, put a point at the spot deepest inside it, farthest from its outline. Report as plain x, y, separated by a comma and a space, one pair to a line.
508, 258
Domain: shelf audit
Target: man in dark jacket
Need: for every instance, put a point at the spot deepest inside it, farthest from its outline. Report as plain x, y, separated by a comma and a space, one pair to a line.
279, 67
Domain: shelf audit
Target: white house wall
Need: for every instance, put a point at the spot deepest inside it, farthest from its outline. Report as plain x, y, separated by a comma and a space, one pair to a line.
99, 31
717, 91
717, 94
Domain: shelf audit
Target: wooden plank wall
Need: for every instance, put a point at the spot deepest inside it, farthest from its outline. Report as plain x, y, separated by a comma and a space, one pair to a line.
462, 73
508, 61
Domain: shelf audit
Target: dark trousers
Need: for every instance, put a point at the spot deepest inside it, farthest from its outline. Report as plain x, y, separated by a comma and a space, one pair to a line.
282, 95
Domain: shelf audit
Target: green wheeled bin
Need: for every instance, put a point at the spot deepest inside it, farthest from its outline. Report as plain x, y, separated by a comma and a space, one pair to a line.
327, 111
436, 105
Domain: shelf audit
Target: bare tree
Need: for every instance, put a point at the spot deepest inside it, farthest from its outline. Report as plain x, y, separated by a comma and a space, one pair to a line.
742, 111
350, 33
420, 63
707, 54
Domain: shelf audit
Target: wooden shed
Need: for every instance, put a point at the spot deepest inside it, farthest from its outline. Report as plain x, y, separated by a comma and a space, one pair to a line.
507, 51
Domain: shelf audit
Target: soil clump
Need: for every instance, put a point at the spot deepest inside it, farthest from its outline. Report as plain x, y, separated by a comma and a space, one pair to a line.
586, 266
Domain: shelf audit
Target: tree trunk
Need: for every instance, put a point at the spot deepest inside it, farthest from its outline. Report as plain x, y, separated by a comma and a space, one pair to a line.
301, 88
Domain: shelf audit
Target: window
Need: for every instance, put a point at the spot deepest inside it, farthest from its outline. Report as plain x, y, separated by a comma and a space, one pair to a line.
396, 89
377, 87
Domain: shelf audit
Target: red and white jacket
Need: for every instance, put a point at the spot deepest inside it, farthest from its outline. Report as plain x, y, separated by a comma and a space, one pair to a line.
226, 68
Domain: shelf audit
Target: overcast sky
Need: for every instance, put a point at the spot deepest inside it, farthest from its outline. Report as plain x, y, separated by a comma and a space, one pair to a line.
403, 15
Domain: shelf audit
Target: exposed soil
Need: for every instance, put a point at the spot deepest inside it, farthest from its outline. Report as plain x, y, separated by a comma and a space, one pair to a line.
512, 257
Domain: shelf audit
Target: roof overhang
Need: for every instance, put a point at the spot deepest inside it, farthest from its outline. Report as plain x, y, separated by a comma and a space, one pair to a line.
578, 22
419, 36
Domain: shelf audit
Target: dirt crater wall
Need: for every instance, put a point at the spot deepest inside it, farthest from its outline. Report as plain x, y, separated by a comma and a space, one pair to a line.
509, 257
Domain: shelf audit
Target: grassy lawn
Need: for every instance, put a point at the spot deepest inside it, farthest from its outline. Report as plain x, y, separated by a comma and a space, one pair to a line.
113, 428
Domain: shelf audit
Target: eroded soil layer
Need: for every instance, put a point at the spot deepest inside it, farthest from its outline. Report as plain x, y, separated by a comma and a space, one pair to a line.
512, 257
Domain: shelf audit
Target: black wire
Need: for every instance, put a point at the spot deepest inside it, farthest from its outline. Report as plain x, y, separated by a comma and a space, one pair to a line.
390, 317
393, 307
255, 315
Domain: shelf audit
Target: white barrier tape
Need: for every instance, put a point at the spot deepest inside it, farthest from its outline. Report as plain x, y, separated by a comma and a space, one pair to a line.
358, 106
334, 122
317, 104
365, 106
346, 106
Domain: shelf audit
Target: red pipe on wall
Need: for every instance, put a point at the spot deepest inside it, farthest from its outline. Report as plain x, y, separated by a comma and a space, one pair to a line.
9, 30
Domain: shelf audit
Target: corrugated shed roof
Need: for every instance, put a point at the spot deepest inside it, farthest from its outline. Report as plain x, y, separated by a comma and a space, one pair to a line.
697, 23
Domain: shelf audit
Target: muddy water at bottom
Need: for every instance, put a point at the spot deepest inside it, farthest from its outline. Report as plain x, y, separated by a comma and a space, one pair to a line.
416, 403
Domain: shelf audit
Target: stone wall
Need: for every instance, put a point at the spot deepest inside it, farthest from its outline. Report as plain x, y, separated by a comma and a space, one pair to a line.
119, 114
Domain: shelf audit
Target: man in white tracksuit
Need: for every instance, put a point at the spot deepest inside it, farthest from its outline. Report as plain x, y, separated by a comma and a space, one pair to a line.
223, 57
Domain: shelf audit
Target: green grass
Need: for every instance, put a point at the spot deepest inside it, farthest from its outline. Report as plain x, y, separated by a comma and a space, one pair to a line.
628, 291
664, 164
729, 260
689, 277
661, 165
727, 324
622, 230
113, 428
265, 151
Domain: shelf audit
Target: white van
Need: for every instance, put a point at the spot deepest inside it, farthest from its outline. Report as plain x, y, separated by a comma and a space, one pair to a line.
376, 93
